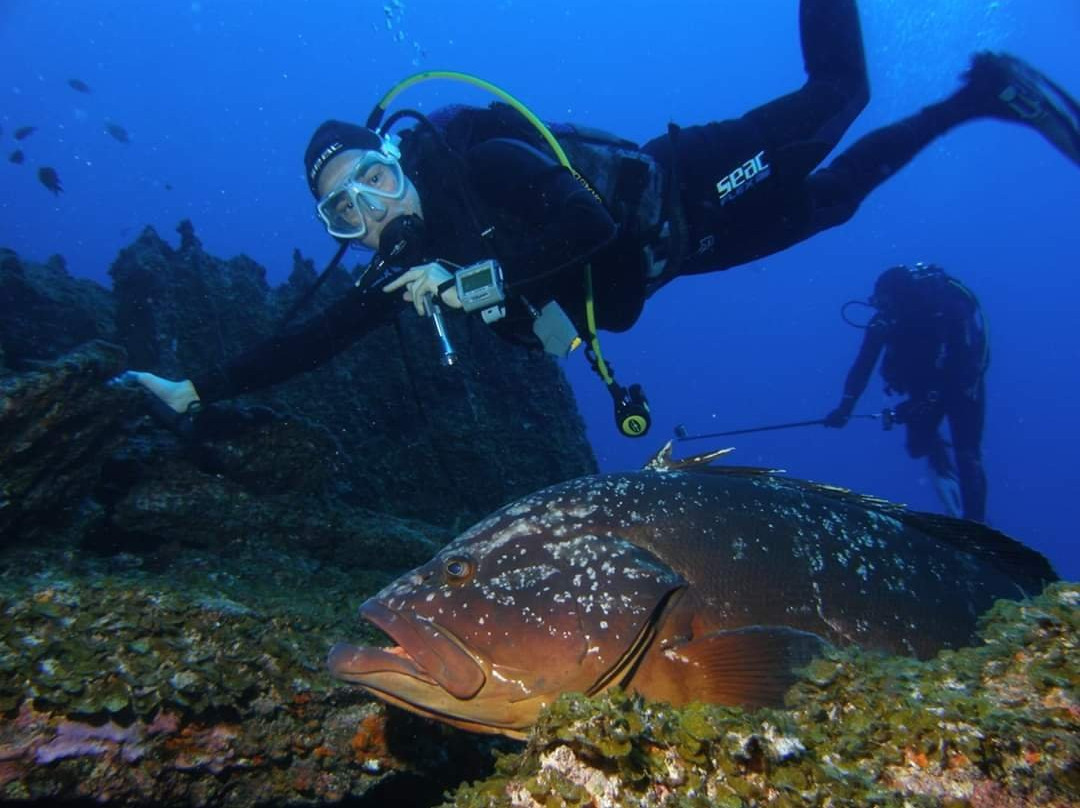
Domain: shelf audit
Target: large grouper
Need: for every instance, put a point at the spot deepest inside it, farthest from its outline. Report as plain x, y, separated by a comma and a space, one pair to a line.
683, 582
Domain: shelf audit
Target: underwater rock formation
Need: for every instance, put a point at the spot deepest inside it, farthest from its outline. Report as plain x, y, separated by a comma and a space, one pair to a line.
44, 312
501, 423
58, 425
300, 462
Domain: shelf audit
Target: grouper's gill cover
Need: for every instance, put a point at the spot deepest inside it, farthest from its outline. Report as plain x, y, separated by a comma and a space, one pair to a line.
541, 598
712, 584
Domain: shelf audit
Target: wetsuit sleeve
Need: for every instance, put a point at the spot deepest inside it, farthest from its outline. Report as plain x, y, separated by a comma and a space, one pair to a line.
859, 373
564, 224
300, 349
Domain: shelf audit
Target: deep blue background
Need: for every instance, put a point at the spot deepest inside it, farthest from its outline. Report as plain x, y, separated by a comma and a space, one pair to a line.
221, 97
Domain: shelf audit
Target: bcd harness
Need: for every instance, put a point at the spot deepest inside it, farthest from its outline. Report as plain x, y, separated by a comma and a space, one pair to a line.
627, 181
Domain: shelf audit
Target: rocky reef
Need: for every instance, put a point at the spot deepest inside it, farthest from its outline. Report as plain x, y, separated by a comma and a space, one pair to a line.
367, 431
204, 686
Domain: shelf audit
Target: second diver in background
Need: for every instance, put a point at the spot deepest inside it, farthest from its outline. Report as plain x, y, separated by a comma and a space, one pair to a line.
931, 330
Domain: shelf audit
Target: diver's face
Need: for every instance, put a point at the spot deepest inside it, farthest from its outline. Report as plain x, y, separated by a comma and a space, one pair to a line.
389, 194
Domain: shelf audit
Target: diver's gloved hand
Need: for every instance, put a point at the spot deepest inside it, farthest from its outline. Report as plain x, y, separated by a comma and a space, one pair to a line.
180, 397
418, 282
841, 415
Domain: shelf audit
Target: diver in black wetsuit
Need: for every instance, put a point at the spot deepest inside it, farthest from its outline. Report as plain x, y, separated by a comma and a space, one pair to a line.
472, 185
931, 329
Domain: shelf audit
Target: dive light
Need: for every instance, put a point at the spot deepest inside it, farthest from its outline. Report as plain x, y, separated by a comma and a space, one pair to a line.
632, 416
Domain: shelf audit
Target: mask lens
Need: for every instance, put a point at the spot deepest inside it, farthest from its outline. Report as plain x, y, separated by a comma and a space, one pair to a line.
374, 177
378, 175
342, 215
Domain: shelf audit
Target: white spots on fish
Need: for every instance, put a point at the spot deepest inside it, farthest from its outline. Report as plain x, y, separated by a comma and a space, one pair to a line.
812, 552
738, 547
518, 683
605, 602
582, 511
581, 551
863, 570
819, 606
529, 616
638, 573
881, 520
522, 577
897, 585
675, 656
501, 597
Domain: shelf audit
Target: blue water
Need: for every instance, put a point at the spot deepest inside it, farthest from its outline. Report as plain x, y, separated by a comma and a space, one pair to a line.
220, 98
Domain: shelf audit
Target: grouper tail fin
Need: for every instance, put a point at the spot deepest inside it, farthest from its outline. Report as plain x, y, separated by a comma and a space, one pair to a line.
1028, 568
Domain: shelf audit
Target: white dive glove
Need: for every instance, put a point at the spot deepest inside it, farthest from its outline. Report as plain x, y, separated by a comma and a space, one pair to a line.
424, 280
178, 396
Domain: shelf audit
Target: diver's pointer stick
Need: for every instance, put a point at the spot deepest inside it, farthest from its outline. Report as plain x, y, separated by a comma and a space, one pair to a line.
887, 420
449, 356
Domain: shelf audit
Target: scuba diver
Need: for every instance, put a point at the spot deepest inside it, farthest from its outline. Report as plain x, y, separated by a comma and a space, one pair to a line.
931, 329
475, 209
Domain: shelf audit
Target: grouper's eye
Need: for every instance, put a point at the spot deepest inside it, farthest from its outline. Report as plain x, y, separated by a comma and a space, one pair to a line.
458, 570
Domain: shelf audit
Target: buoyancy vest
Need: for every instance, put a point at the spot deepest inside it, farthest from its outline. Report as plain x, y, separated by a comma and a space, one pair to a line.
628, 181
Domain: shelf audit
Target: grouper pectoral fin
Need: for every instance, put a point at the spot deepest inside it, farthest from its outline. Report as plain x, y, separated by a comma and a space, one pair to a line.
748, 667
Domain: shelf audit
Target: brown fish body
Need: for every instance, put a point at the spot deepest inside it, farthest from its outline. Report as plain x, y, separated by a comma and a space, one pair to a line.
707, 585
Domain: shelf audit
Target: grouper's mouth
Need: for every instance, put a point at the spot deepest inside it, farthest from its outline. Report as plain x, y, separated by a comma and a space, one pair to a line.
427, 656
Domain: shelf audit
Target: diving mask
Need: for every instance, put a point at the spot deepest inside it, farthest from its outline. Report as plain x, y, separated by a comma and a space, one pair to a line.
372, 179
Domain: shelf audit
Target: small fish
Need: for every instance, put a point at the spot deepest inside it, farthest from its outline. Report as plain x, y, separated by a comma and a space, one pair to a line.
682, 582
50, 179
168, 186
16, 157
118, 132
24, 132
79, 85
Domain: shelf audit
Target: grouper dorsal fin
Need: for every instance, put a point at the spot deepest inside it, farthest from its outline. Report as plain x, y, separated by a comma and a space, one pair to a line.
1028, 568
663, 461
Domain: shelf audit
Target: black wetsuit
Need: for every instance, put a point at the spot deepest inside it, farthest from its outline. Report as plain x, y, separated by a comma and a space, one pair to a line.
734, 191
936, 354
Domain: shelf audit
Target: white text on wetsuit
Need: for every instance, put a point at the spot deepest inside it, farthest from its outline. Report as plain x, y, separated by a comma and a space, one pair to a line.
742, 178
